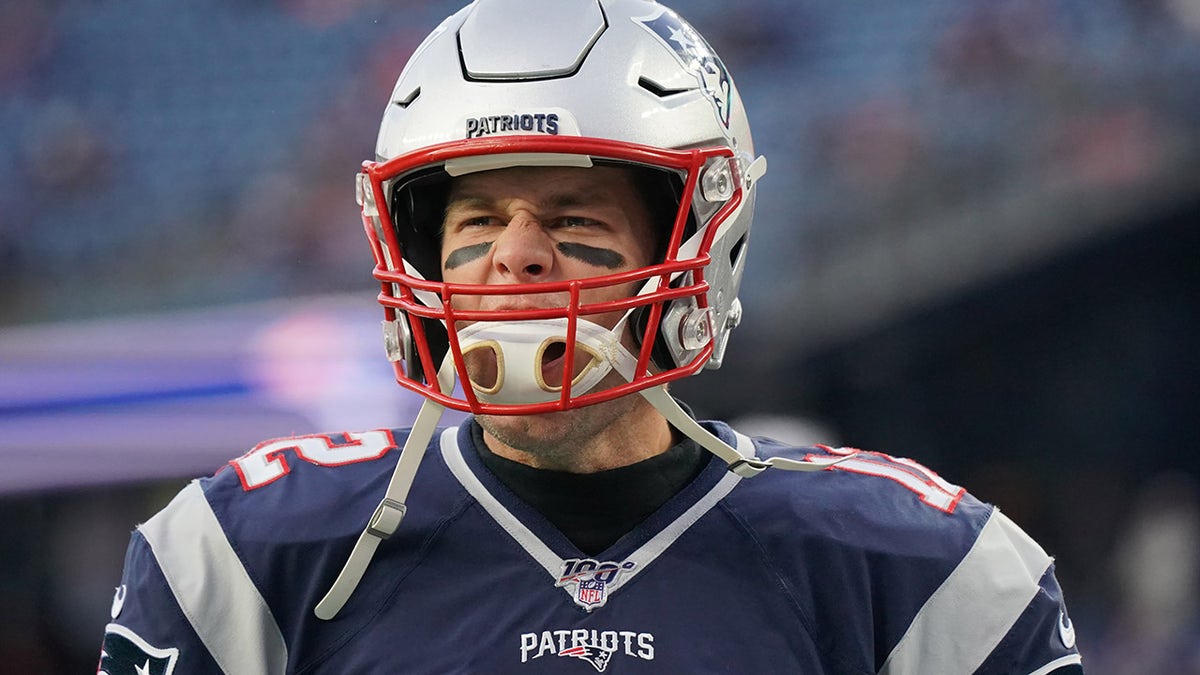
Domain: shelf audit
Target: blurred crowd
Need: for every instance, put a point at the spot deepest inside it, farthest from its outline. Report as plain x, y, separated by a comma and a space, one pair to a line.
170, 155
157, 155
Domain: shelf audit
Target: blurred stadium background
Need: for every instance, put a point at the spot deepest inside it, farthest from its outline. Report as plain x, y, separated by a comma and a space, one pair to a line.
977, 246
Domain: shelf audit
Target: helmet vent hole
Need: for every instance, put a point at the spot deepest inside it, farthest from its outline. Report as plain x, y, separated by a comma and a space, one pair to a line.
657, 89
735, 251
406, 101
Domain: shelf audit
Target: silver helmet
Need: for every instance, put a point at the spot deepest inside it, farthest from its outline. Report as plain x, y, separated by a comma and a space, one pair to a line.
506, 83
575, 83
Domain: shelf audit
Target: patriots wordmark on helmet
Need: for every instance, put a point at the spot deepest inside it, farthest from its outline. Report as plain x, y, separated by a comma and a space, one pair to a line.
534, 123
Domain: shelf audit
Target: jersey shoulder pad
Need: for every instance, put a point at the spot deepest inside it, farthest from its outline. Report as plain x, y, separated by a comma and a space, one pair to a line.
311, 482
866, 499
299, 458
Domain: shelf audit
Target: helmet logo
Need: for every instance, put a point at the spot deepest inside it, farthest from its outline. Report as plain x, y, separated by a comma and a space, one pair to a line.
697, 57
530, 123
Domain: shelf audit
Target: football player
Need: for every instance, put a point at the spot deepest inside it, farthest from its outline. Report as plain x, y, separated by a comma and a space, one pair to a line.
559, 211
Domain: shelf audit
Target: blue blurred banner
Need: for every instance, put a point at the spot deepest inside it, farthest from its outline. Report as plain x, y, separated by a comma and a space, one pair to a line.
125, 400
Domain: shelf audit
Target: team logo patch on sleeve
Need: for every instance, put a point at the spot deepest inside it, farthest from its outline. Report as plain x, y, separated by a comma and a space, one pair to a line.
125, 653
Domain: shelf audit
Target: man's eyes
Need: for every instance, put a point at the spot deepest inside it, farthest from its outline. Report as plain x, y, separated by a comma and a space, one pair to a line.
569, 222
560, 222
481, 221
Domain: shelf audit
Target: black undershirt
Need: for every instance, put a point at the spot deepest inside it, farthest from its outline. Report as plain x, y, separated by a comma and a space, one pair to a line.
594, 510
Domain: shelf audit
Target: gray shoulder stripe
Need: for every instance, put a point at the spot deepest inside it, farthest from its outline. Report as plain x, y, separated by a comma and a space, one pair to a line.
542, 553
661, 541
515, 528
965, 618
213, 588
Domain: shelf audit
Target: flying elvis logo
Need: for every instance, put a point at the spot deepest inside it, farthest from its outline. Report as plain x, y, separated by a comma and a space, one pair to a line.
697, 57
124, 652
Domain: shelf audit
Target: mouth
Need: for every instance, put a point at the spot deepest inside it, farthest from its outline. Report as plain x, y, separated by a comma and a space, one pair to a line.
524, 302
554, 355
487, 368
553, 363
552, 360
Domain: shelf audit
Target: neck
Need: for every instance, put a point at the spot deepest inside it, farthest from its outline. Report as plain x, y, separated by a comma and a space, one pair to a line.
595, 510
599, 437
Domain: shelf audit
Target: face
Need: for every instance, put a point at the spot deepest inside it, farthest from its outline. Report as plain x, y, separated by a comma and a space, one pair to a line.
526, 225
540, 224
544, 224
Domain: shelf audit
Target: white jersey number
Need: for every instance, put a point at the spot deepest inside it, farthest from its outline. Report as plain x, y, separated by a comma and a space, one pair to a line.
931, 488
267, 462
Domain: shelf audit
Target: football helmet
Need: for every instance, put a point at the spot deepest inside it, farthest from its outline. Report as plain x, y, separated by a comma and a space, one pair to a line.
580, 83
571, 83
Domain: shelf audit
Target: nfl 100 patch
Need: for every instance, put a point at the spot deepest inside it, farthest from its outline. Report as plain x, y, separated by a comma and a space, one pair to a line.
590, 582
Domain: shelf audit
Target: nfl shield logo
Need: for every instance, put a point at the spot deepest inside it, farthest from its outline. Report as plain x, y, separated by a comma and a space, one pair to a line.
590, 592
588, 581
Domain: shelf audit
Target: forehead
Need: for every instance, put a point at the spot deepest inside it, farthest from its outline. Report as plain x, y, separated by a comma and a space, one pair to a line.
598, 185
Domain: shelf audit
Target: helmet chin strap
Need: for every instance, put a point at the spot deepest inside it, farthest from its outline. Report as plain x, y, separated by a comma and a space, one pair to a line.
517, 342
738, 463
391, 509
522, 342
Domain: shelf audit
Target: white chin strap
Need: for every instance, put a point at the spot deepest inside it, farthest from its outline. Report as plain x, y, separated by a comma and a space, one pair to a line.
518, 348
520, 345
391, 509
738, 463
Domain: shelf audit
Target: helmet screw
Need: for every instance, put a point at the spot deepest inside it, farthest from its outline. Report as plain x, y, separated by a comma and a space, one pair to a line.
716, 183
695, 330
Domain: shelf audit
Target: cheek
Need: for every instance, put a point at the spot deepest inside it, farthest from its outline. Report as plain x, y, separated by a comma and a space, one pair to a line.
463, 274
463, 270
640, 249
635, 257
605, 294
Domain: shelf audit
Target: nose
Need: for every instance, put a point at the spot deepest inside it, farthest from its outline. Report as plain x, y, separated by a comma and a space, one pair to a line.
523, 253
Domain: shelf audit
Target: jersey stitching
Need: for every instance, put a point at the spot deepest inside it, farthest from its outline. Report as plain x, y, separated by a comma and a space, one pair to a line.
348, 636
193, 508
161, 579
1014, 636
765, 560
235, 546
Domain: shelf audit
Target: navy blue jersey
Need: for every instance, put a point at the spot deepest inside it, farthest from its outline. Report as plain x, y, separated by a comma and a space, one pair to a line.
873, 566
